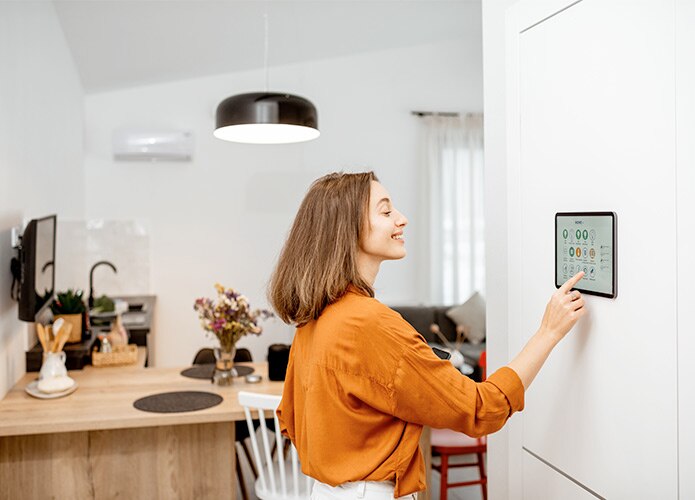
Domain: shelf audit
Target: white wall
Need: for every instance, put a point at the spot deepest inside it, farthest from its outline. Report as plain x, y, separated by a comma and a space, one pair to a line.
685, 196
41, 168
496, 241
586, 104
224, 216
586, 145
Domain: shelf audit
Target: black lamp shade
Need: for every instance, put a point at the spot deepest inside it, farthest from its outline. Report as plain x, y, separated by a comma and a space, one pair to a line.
266, 118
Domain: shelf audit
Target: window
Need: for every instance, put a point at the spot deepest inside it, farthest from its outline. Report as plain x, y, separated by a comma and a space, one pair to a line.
454, 168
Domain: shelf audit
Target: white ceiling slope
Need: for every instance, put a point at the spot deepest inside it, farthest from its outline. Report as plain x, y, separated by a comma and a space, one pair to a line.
125, 43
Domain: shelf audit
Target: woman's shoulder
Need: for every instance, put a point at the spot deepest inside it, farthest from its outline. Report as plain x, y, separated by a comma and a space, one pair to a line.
367, 306
373, 315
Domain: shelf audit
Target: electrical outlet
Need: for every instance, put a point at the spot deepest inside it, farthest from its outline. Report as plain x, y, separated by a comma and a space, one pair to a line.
16, 236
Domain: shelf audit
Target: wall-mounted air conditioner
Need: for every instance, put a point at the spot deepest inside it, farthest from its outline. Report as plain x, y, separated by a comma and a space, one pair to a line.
152, 145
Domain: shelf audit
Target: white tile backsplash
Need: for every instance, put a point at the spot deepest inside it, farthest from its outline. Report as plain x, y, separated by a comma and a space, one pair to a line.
124, 243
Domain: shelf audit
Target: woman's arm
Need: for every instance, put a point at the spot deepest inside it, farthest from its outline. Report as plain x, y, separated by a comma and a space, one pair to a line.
429, 391
563, 310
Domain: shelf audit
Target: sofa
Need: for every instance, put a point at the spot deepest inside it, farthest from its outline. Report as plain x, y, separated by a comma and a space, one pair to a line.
422, 317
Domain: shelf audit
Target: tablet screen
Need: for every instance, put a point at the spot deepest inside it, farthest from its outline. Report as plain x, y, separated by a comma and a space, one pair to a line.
586, 241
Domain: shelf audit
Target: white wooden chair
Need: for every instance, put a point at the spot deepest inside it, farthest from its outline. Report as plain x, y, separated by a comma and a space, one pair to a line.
276, 480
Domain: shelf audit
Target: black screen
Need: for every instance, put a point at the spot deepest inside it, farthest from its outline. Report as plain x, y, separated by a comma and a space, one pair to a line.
38, 267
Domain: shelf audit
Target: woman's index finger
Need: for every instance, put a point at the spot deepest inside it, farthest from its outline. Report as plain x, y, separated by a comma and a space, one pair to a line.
569, 284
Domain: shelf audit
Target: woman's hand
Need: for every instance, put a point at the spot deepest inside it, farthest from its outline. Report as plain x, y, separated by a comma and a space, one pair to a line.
561, 313
563, 310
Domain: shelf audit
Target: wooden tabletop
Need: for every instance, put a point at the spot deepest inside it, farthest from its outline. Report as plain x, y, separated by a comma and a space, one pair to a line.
104, 400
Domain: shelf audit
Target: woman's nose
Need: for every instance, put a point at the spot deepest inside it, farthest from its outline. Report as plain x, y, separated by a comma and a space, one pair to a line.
402, 220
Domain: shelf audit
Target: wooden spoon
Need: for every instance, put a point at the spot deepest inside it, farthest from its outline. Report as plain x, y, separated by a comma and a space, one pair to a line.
41, 333
49, 337
57, 325
63, 336
57, 330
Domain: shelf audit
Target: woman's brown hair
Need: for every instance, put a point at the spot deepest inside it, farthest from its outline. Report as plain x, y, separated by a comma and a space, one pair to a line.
319, 259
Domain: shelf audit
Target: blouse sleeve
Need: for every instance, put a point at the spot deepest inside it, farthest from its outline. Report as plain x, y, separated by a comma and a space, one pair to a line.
285, 410
430, 391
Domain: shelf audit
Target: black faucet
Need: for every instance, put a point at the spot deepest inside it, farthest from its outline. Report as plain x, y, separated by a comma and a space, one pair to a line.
90, 301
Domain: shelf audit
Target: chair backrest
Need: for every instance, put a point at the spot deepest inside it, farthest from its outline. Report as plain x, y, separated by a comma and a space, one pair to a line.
206, 356
243, 355
297, 485
482, 362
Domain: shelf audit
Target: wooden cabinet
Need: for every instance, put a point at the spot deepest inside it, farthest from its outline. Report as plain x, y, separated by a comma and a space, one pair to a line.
95, 444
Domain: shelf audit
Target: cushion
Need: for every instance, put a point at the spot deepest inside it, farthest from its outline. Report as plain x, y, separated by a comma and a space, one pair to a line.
471, 316
419, 317
447, 437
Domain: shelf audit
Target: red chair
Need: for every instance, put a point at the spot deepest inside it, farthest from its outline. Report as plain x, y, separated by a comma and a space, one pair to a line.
447, 443
482, 363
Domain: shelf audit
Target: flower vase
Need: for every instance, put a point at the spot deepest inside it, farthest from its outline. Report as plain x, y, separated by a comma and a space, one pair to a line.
224, 365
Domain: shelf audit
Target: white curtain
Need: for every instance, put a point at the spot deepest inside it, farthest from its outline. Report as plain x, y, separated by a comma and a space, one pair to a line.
454, 189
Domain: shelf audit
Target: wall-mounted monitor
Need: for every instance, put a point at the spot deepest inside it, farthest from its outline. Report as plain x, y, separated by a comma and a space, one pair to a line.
587, 241
37, 258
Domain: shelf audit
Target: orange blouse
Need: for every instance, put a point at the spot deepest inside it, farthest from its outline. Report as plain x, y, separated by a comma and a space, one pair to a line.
361, 383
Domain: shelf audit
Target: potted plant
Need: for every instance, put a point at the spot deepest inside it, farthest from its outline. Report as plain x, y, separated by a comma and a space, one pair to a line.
228, 318
70, 306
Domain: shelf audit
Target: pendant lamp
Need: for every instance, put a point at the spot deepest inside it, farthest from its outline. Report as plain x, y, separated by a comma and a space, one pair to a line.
266, 117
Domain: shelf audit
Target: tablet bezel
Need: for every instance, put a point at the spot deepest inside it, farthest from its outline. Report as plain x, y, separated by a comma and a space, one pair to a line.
614, 220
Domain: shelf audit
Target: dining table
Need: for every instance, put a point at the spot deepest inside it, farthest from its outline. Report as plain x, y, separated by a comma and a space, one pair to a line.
94, 444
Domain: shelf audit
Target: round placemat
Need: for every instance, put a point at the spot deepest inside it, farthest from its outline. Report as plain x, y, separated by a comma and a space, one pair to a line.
206, 371
178, 401
242, 371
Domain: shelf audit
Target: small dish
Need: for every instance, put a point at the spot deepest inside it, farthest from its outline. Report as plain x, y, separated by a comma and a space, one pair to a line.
33, 390
253, 378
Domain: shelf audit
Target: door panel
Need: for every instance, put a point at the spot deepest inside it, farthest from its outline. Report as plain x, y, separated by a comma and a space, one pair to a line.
597, 133
543, 483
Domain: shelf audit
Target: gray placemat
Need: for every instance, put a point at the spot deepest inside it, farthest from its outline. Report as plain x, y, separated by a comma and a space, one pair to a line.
178, 401
205, 371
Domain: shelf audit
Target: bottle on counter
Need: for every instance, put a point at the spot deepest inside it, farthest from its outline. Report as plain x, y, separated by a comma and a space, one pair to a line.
118, 334
105, 344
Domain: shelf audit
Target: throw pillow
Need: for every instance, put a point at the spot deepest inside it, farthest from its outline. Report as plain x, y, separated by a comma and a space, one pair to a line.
471, 316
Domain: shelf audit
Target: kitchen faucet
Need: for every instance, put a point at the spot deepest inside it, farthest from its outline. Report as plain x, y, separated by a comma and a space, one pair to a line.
90, 301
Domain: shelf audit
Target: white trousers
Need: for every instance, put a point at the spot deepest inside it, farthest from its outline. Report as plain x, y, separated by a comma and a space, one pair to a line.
359, 490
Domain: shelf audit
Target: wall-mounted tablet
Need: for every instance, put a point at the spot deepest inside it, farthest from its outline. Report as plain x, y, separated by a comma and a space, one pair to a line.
586, 241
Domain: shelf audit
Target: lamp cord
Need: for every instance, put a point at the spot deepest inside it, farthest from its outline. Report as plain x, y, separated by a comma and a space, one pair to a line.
265, 54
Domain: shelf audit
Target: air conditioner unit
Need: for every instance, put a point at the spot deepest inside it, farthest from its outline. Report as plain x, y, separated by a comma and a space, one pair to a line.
152, 145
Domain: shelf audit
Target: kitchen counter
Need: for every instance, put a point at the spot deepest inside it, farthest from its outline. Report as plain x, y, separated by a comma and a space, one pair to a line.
95, 444
104, 400
138, 321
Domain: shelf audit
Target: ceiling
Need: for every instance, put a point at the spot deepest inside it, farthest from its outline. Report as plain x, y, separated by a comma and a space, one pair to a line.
125, 43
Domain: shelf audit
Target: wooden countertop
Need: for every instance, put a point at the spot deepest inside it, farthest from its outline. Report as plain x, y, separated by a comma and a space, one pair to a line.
105, 396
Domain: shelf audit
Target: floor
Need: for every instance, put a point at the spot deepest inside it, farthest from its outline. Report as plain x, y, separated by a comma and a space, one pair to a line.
455, 475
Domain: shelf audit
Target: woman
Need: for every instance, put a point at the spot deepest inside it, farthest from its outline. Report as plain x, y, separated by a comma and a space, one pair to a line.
361, 382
